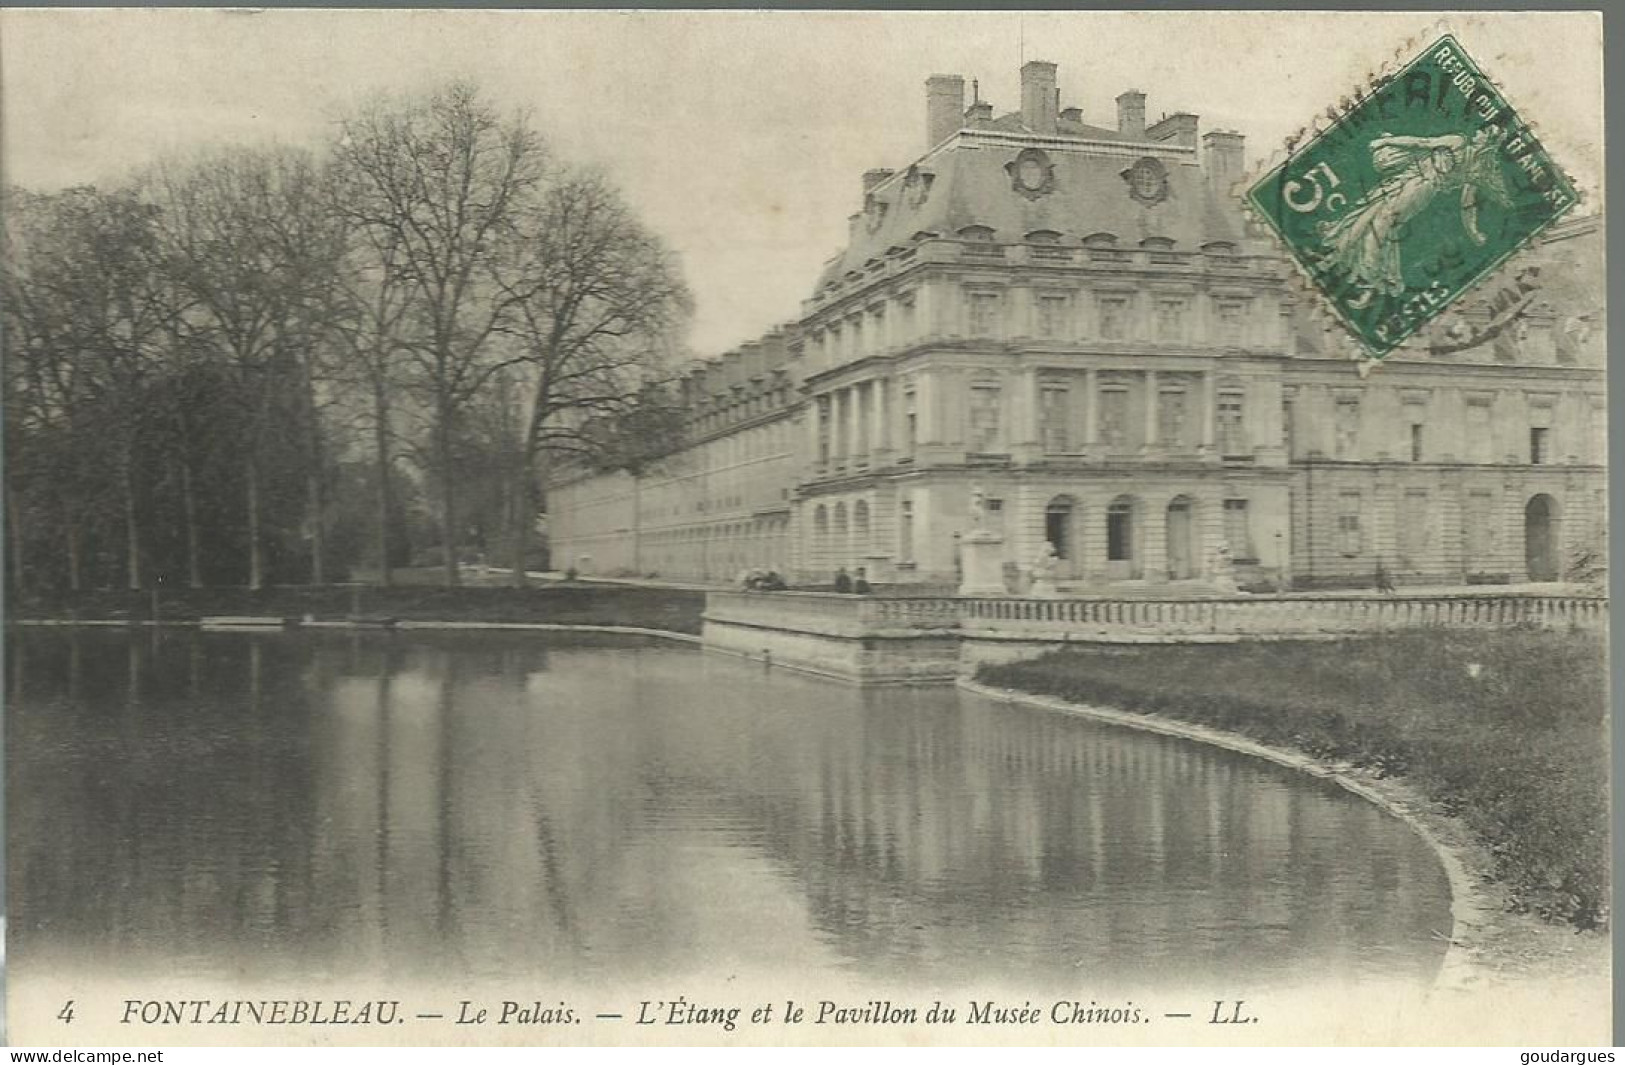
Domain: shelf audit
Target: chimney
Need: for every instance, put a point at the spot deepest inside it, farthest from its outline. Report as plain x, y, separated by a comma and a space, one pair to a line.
1223, 159
1073, 114
979, 114
1131, 114
871, 178
1038, 96
1178, 128
944, 107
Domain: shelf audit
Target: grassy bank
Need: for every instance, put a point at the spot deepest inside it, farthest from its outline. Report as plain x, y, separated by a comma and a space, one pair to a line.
677, 610
1504, 730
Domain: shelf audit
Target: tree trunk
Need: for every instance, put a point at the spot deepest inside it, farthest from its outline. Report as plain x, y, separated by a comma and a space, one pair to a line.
448, 496
637, 528
318, 538
194, 550
520, 519
313, 481
380, 407
132, 531
76, 572
14, 526
256, 557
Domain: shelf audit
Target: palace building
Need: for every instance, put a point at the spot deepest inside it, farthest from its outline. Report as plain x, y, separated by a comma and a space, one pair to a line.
1076, 323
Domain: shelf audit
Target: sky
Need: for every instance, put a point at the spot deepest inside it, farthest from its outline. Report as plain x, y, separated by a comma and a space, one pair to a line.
740, 137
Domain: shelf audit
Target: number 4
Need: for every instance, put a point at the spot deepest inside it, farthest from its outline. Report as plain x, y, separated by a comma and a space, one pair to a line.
65, 1014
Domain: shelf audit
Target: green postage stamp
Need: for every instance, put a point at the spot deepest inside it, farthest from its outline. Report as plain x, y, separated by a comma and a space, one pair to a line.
1414, 194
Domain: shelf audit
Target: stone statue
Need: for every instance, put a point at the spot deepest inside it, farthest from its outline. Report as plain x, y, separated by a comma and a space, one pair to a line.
1043, 573
1224, 570
978, 506
1045, 562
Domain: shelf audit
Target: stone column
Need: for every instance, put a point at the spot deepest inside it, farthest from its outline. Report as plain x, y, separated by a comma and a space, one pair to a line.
925, 408
837, 426
1151, 400
1091, 412
1024, 435
879, 441
811, 413
1210, 401
860, 435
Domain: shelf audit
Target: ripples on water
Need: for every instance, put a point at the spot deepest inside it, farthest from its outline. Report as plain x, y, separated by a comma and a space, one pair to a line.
498, 805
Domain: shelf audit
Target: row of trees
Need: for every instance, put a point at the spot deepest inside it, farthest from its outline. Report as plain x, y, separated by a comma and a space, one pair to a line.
273, 364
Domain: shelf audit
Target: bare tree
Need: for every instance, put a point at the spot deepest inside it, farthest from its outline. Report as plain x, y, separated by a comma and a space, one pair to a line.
375, 286
80, 269
596, 299
246, 237
438, 182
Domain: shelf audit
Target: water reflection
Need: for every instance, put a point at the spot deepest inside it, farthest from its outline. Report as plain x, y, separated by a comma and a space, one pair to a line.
495, 806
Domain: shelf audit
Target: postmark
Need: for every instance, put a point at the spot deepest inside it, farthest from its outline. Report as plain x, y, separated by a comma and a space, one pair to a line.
1418, 191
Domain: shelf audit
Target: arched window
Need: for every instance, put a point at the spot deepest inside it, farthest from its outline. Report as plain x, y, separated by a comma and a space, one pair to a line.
860, 527
1181, 538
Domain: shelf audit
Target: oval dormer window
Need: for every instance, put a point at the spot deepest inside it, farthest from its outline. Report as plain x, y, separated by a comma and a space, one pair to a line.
983, 234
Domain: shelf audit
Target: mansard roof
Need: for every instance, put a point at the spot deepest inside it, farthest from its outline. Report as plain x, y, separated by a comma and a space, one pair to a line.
973, 180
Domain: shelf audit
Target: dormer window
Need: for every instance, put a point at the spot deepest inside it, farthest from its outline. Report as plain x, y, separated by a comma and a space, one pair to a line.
1043, 236
979, 234
1100, 240
1219, 247
1157, 243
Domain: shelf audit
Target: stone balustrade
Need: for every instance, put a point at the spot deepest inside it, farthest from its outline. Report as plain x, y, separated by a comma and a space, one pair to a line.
1096, 618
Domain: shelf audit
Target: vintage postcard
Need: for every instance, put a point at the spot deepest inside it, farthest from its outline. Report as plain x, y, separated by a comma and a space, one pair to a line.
779, 528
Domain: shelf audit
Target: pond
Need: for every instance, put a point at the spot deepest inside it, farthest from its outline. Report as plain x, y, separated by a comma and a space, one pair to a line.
502, 806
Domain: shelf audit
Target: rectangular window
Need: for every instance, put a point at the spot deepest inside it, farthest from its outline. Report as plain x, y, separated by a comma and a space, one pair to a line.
1055, 415
1348, 524
1232, 322
1171, 320
911, 423
984, 311
1113, 317
985, 401
1238, 531
1051, 316
1119, 533
1478, 529
1231, 427
1480, 433
1347, 428
1539, 446
1114, 417
905, 308
905, 531
1171, 417
1416, 441
1415, 528
1288, 410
